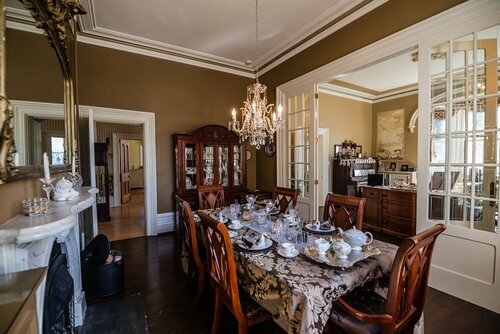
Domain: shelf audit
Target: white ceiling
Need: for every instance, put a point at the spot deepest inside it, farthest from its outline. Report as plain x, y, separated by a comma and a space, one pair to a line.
220, 33
389, 74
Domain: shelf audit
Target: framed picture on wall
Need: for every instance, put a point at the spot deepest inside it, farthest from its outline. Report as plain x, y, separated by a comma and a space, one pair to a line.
393, 166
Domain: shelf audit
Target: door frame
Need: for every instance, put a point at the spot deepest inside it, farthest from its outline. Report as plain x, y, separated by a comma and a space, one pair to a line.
397, 43
147, 119
325, 132
116, 162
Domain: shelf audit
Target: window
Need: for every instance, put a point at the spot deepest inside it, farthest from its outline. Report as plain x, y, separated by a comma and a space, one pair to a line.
57, 150
464, 157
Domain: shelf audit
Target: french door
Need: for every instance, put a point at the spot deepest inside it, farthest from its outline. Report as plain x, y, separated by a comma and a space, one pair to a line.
459, 157
297, 146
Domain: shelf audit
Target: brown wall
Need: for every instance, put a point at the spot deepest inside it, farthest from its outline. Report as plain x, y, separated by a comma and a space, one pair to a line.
347, 119
385, 20
409, 104
182, 97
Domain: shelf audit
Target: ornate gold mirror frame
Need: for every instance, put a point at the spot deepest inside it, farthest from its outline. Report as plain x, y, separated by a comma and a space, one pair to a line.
55, 18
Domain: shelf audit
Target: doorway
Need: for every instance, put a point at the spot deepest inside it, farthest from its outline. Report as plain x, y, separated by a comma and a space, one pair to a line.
146, 205
120, 202
465, 261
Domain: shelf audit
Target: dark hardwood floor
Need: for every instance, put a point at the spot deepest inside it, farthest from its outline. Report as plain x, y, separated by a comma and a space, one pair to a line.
152, 268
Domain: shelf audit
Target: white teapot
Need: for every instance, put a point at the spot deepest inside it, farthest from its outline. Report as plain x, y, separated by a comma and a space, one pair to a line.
356, 238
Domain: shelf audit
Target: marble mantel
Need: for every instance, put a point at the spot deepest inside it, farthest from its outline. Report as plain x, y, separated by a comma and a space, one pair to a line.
26, 243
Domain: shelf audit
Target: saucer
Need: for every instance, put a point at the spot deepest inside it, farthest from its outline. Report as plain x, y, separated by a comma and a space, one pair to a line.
232, 227
233, 234
292, 254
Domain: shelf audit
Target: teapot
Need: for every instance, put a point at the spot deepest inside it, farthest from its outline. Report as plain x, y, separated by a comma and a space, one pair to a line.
262, 240
356, 238
342, 249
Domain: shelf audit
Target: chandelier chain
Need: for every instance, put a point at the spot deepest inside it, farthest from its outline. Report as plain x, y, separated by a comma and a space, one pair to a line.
257, 40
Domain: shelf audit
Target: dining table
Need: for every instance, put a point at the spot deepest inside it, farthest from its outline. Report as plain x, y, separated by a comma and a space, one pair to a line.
298, 291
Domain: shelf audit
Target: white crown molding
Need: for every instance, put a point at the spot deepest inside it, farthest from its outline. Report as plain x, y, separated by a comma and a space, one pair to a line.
308, 29
128, 43
337, 26
357, 95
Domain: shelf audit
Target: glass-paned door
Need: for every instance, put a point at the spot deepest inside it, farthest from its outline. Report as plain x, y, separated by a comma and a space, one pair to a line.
190, 166
223, 164
238, 165
299, 171
459, 157
208, 164
464, 146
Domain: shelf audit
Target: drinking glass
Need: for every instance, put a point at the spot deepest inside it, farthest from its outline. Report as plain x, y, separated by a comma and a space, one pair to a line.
234, 208
251, 200
269, 205
293, 211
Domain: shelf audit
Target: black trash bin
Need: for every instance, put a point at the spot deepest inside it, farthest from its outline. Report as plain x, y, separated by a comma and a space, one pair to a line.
103, 270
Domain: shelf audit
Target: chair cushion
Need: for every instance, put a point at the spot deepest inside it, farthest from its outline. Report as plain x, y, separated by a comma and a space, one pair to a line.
364, 300
250, 307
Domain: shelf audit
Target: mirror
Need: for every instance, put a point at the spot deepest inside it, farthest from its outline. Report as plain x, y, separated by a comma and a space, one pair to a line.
41, 117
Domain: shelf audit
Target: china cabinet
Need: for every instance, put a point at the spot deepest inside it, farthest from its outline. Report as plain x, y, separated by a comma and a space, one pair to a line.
210, 155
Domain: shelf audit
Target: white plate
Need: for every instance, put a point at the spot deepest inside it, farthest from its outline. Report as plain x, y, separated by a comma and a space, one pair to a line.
233, 234
293, 254
268, 243
232, 227
311, 228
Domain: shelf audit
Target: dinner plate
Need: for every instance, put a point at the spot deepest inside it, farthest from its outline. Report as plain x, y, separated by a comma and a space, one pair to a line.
216, 217
311, 228
267, 244
293, 254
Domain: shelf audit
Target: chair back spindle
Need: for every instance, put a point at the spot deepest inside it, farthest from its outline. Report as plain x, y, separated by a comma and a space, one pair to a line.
285, 197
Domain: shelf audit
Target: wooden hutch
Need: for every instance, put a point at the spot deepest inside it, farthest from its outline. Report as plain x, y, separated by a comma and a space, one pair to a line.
210, 155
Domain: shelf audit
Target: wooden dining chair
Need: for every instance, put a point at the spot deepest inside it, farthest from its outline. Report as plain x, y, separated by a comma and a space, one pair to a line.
343, 211
210, 197
364, 311
222, 276
190, 243
285, 197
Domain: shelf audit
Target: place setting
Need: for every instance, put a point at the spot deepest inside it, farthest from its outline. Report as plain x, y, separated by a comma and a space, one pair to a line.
254, 242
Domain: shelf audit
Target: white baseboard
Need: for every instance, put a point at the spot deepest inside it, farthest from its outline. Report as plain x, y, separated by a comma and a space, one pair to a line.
166, 222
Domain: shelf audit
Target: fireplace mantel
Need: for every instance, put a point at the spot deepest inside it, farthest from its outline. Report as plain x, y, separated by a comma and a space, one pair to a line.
57, 222
26, 243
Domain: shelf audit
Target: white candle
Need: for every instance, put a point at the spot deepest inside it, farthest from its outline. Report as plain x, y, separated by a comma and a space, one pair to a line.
280, 111
46, 172
274, 117
73, 166
233, 114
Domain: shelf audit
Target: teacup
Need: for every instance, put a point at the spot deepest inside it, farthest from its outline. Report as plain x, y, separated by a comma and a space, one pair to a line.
322, 246
236, 224
288, 248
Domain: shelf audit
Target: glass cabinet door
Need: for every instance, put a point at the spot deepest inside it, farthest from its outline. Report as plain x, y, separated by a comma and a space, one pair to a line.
208, 164
238, 165
223, 164
190, 166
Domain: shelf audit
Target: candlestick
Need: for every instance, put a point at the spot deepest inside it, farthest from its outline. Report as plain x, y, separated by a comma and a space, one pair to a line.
46, 171
73, 165
280, 112
233, 114
47, 187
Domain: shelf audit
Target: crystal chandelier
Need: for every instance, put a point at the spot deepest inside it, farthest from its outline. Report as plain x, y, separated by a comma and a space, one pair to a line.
258, 119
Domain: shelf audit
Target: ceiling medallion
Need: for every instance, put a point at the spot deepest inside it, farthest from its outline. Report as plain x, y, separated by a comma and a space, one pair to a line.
258, 119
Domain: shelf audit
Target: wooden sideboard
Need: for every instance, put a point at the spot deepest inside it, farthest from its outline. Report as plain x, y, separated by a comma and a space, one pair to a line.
389, 210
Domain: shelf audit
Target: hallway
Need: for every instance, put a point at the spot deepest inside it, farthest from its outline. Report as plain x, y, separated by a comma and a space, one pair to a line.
127, 220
